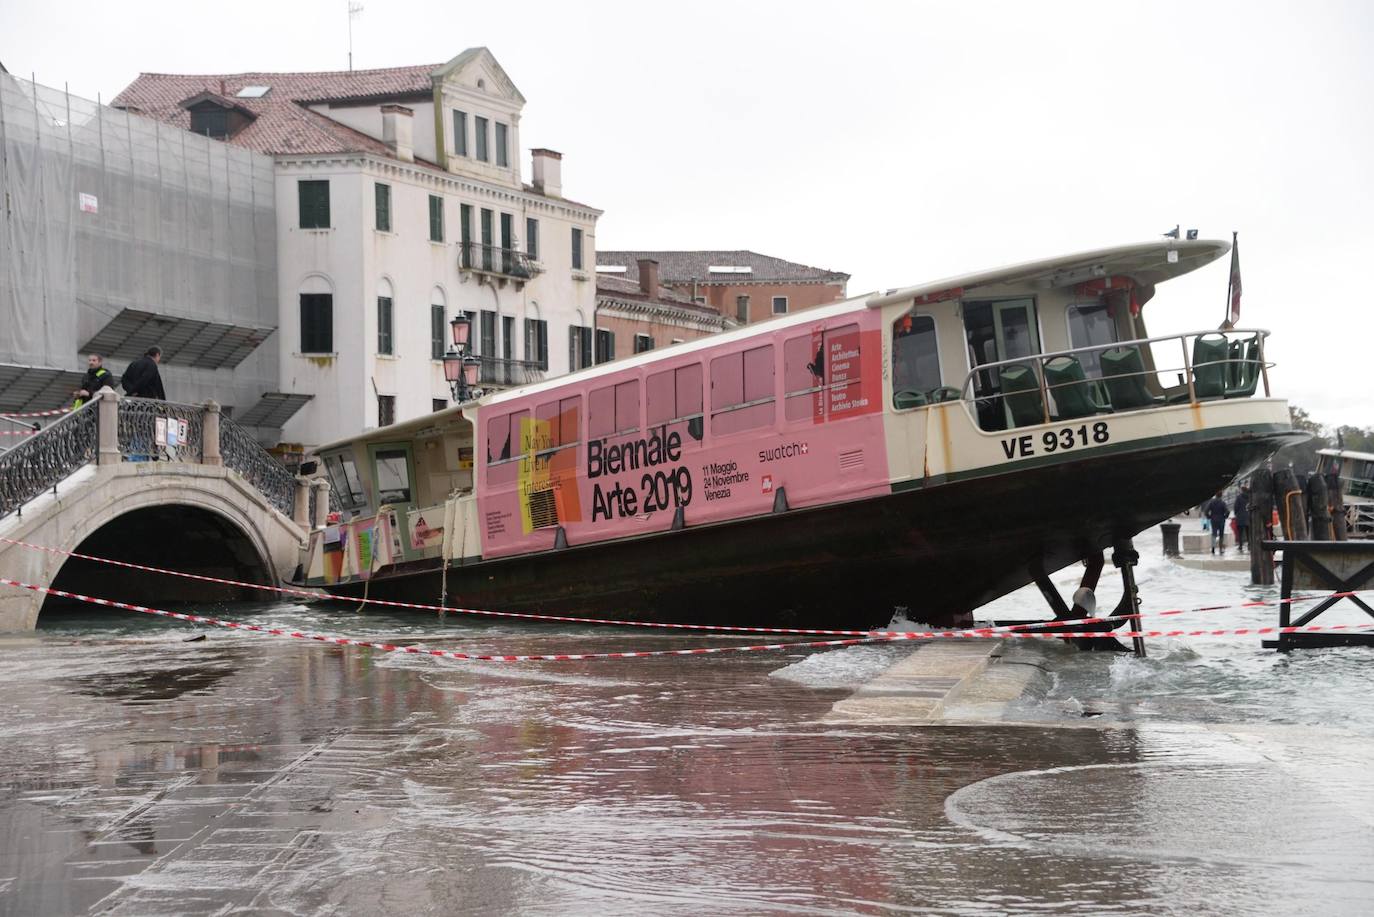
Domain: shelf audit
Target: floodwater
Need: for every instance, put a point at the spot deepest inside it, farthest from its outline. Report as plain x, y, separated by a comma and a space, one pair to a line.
145, 774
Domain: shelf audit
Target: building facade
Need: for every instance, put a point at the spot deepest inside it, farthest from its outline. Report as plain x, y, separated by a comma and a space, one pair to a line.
639, 314
400, 204
743, 286
118, 232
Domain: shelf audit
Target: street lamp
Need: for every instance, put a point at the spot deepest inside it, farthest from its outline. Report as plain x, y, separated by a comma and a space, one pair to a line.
460, 367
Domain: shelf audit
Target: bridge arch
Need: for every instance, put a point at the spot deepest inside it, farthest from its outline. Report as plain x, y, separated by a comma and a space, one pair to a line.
195, 518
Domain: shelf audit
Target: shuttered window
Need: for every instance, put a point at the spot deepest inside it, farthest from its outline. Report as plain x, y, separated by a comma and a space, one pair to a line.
436, 331
384, 341
383, 207
314, 204
436, 218
317, 323
460, 132
502, 152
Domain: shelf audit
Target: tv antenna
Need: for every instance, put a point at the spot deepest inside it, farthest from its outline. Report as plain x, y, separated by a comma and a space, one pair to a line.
355, 9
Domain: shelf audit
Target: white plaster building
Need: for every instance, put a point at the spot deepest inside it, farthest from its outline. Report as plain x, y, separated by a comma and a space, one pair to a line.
400, 202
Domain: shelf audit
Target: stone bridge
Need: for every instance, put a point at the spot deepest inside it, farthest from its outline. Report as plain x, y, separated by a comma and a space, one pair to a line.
150, 482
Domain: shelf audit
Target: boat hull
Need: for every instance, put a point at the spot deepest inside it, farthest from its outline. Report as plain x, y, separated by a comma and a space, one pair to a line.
939, 551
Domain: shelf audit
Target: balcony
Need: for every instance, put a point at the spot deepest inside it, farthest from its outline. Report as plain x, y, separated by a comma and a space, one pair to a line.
500, 371
500, 264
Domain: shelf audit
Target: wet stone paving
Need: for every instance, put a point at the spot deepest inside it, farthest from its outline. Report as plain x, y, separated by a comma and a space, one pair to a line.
235, 774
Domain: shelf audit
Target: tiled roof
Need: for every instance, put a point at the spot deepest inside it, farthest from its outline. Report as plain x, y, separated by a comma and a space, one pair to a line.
680, 267
626, 289
282, 123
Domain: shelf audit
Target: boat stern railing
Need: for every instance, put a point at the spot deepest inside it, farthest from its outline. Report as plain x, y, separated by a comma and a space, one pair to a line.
1119, 377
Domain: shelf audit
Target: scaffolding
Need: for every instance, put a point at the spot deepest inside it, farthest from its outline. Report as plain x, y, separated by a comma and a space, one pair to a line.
104, 212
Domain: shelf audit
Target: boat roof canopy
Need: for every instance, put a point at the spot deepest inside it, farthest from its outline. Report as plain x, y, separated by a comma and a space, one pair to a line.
451, 416
1145, 262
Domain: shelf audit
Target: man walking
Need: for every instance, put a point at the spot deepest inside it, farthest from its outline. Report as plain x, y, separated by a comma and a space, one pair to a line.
96, 378
1242, 511
142, 380
1216, 512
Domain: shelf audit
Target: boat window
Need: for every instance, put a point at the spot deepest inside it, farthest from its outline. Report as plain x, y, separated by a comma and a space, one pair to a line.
1091, 325
393, 476
504, 450
674, 395
556, 424
915, 356
343, 478
802, 359
742, 391
613, 409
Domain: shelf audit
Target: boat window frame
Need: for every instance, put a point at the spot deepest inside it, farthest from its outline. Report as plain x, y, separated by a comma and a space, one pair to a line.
771, 399
346, 494
914, 313
412, 480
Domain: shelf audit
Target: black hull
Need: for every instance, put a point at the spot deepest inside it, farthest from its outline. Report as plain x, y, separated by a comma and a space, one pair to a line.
940, 551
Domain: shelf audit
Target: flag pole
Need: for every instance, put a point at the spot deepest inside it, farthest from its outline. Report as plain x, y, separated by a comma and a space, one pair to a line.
1230, 284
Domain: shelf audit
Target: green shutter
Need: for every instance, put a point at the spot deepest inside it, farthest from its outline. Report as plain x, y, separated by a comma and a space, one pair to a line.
313, 197
383, 207
436, 219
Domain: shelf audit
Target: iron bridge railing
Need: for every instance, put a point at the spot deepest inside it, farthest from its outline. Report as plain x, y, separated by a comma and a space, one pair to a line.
145, 430
48, 457
245, 455
151, 430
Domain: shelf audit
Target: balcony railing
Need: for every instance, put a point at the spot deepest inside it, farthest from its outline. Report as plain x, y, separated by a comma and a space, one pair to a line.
500, 371
1113, 378
492, 259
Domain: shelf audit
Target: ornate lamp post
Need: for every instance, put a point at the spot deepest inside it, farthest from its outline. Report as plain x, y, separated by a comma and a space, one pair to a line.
460, 367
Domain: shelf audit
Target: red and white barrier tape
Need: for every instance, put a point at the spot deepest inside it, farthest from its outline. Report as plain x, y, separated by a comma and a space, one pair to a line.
17, 432
53, 413
421, 650
720, 628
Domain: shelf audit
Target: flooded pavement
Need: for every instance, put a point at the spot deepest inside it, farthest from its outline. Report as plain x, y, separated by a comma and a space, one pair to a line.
240, 774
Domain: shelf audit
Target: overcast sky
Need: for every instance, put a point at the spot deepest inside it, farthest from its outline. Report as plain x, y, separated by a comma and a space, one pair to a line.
898, 142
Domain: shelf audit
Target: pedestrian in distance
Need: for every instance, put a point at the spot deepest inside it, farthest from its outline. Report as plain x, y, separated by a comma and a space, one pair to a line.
96, 378
1242, 511
1216, 512
142, 380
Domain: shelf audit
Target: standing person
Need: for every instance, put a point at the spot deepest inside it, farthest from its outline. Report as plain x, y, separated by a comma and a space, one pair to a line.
1216, 512
1242, 511
96, 378
142, 380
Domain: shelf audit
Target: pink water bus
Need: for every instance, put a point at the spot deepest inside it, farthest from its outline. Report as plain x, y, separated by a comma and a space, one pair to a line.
931, 448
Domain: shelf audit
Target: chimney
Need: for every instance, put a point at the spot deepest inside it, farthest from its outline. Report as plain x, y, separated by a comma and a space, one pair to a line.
398, 131
547, 170
648, 276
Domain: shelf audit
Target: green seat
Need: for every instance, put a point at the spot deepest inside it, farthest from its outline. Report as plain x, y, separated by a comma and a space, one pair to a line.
943, 393
1210, 366
1021, 392
908, 399
1123, 375
1070, 389
1248, 373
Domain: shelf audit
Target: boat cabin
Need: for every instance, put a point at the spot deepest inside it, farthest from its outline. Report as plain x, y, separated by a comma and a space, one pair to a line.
879, 395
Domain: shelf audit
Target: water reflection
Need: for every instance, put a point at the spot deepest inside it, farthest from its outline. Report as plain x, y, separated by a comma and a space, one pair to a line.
149, 775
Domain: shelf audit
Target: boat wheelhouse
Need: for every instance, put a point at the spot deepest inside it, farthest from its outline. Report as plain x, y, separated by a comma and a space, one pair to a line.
932, 447
1355, 472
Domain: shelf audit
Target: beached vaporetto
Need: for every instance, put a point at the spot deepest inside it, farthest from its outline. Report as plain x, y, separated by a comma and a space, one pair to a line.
932, 447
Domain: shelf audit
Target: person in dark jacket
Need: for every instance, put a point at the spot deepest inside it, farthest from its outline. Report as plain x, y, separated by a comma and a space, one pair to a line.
142, 380
1216, 512
1242, 510
96, 378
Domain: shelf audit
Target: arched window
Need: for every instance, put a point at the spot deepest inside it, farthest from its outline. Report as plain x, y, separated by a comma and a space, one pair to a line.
438, 319
385, 339
317, 314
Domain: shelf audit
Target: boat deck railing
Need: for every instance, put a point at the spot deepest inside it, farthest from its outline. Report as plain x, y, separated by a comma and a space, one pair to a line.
1119, 377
